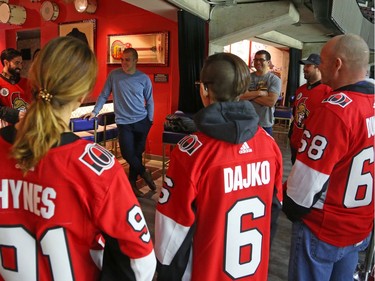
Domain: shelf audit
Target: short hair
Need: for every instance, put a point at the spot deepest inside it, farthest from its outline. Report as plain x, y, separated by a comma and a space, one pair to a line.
132, 51
9, 54
226, 75
264, 52
65, 70
353, 49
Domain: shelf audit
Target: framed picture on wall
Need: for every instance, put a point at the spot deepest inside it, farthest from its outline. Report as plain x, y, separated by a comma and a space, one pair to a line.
152, 48
84, 30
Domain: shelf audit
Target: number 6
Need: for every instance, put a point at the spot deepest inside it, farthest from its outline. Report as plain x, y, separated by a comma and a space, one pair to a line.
236, 238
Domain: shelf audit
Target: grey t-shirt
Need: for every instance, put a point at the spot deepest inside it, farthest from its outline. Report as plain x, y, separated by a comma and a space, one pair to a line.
272, 83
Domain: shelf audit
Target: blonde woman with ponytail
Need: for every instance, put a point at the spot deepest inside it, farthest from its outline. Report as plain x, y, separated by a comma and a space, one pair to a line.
58, 90
67, 210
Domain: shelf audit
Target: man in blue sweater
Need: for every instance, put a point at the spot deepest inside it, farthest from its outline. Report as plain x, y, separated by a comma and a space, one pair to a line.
134, 110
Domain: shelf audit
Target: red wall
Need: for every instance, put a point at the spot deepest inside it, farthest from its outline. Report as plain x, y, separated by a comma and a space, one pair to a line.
112, 17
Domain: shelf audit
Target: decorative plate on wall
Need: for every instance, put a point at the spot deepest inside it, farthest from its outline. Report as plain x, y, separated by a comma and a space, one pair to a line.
85, 6
49, 11
12, 14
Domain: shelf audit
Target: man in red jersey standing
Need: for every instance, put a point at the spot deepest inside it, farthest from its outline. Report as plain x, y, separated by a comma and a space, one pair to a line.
12, 94
213, 220
330, 190
307, 97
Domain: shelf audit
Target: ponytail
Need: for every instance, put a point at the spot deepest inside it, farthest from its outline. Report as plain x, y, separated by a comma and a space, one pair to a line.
63, 72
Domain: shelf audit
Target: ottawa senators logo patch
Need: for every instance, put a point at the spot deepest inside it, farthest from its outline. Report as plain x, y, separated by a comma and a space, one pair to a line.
301, 113
97, 158
338, 99
18, 103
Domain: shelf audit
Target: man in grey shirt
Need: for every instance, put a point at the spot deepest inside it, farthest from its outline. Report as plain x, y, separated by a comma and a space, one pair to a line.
264, 90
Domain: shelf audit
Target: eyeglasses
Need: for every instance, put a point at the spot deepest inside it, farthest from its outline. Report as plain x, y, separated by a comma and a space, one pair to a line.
197, 83
16, 62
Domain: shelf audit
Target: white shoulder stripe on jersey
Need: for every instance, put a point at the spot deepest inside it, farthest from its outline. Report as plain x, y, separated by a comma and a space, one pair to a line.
144, 268
169, 235
304, 183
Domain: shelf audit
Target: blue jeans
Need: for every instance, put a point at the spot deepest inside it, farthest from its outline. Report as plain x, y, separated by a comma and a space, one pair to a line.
132, 140
314, 260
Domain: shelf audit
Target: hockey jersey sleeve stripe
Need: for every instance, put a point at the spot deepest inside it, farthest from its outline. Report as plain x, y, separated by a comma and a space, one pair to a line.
169, 236
303, 187
97, 257
144, 268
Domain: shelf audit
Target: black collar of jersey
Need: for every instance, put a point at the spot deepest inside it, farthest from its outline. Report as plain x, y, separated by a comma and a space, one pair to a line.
9, 135
10, 80
364, 87
311, 86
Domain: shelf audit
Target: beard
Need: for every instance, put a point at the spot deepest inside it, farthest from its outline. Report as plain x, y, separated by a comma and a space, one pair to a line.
14, 71
306, 76
15, 74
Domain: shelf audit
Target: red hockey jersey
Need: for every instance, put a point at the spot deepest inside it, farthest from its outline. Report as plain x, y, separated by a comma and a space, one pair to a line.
53, 220
308, 97
213, 216
12, 95
334, 172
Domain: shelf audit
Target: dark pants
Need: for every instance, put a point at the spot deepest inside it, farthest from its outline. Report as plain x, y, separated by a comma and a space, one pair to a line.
293, 156
132, 139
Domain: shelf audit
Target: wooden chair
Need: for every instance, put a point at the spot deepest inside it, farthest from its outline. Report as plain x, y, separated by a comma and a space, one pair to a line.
107, 130
283, 119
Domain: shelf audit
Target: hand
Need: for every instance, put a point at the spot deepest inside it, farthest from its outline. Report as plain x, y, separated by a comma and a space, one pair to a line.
88, 116
21, 114
249, 95
262, 93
